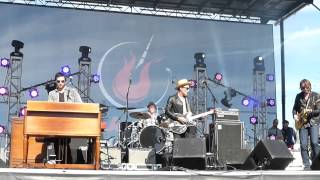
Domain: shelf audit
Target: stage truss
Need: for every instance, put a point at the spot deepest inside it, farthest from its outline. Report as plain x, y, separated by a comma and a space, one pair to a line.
247, 11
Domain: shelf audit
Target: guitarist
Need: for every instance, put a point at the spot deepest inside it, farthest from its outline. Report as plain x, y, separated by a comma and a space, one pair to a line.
179, 103
307, 106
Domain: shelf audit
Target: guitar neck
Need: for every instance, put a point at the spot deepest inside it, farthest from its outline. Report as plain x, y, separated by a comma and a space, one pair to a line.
201, 115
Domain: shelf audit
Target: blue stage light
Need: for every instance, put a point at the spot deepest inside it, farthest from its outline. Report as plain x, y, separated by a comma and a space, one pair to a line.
4, 91
2, 129
218, 77
66, 70
22, 111
33, 92
253, 120
5, 62
193, 83
270, 77
245, 101
271, 102
95, 78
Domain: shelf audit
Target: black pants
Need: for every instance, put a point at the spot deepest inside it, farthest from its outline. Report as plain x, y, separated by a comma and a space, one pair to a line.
62, 150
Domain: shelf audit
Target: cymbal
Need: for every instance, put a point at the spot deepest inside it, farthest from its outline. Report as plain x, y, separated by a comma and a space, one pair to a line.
125, 108
140, 115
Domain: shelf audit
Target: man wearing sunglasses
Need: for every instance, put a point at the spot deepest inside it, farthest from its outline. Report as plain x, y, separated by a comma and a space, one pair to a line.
306, 115
178, 105
63, 93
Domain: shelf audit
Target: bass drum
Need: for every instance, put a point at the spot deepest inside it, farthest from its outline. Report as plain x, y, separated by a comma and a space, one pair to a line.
153, 136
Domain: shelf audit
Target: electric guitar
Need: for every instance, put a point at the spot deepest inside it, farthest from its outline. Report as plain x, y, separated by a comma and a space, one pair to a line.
178, 128
302, 118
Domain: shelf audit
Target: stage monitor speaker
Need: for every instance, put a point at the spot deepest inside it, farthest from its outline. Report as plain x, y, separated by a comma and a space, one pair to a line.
142, 156
316, 163
189, 153
269, 154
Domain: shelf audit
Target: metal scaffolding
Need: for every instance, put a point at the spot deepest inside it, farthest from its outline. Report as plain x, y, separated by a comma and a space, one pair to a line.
199, 98
109, 6
84, 77
13, 80
259, 108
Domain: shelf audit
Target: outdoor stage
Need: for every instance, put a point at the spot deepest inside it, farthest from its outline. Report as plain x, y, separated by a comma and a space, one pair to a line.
60, 174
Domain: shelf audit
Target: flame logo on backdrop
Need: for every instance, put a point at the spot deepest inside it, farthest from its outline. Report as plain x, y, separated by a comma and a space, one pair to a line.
140, 87
137, 90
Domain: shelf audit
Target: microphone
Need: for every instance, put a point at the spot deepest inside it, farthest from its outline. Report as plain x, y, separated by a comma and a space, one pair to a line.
130, 78
71, 78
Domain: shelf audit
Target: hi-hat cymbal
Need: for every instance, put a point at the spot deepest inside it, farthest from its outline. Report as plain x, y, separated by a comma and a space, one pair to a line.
140, 115
125, 108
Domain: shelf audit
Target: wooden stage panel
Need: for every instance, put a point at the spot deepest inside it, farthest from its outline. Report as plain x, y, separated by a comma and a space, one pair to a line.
36, 148
63, 107
62, 126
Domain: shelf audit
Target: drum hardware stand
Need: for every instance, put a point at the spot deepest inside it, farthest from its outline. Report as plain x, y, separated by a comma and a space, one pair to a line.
107, 165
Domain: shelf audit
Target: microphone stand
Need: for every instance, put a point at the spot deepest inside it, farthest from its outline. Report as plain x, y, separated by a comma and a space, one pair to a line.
127, 108
214, 101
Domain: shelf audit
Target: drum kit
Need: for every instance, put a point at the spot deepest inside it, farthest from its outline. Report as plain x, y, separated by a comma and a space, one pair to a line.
143, 134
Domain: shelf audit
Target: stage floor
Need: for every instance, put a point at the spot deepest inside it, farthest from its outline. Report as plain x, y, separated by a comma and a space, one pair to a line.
60, 174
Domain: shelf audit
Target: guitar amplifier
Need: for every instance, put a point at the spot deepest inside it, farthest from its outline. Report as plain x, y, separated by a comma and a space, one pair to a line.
228, 115
228, 140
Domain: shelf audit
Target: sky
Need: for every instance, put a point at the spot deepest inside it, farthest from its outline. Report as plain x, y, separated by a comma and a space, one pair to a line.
302, 55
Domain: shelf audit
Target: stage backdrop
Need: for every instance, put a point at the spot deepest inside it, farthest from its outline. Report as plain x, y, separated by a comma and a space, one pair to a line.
153, 51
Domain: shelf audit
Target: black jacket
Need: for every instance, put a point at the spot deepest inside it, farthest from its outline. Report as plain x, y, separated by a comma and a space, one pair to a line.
175, 105
300, 103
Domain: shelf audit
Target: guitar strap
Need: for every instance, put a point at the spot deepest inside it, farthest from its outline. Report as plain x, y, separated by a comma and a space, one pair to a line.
308, 102
187, 105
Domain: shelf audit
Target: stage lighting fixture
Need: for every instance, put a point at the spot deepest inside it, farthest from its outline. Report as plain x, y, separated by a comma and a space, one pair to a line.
65, 70
245, 101
270, 77
258, 64
33, 92
85, 50
228, 95
17, 45
2, 129
22, 111
226, 102
199, 57
193, 83
218, 77
5, 62
253, 120
4, 91
95, 78
271, 102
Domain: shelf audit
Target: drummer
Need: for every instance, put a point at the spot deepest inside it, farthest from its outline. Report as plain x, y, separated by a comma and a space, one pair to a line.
152, 111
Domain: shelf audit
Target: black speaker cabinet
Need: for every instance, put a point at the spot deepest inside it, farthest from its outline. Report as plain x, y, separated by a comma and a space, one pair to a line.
228, 141
189, 153
316, 163
269, 154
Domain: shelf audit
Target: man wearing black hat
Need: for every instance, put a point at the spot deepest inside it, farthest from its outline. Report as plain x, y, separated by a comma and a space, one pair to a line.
289, 135
178, 105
